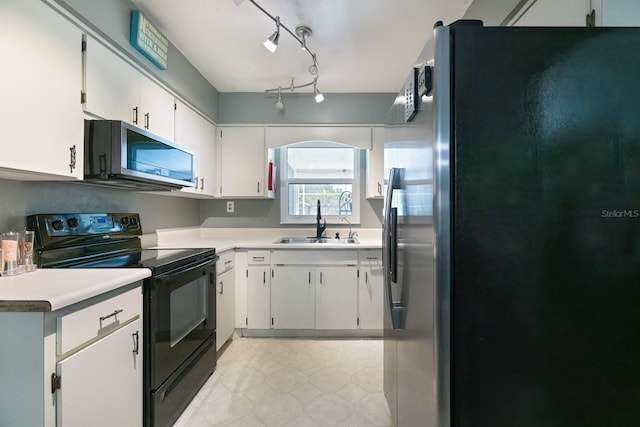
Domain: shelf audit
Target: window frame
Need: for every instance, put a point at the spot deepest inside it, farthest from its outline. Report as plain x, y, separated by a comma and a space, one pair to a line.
287, 219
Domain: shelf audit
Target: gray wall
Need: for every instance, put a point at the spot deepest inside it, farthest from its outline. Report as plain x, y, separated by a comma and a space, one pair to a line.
19, 199
111, 19
337, 108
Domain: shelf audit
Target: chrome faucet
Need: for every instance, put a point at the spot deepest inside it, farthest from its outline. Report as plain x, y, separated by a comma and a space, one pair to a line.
320, 228
351, 233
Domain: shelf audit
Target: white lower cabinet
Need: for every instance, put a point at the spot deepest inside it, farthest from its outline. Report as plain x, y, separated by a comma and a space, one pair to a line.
337, 297
225, 299
258, 297
101, 372
293, 297
337, 290
102, 383
370, 290
77, 366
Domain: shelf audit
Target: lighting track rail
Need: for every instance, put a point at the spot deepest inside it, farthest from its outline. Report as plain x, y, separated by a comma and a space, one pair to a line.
301, 35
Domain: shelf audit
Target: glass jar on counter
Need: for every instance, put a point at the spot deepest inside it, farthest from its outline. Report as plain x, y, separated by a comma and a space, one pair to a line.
25, 250
10, 254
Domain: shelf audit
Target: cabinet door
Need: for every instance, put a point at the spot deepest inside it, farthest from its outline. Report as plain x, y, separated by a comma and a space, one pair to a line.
293, 297
337, 297
225, 307
111, 85
616, 13
102, 384
375, 165
258, 297
42, 121
156, 109
196, 134
553, 13
242, 162
370, 293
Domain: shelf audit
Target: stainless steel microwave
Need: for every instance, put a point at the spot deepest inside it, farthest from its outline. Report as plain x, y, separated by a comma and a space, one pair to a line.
120, 155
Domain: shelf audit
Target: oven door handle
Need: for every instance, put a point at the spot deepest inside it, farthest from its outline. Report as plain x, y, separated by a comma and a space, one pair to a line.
186, 270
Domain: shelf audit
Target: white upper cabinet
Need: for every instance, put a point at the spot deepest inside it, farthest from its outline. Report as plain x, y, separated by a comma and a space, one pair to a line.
111, 84
375, 165
115, 90
42, 123
157, 108
548, 13
244, 163
197, 135
616, 13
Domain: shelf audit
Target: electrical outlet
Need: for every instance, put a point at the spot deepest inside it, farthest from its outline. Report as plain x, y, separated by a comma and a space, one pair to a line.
230, 207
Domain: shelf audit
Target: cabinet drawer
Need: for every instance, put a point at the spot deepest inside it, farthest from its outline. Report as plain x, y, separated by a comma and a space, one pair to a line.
80, 326
315, 257
258, 257
372, 256
225, 262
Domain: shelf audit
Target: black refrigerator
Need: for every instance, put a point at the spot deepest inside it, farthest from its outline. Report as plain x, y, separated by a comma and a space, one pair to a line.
512, 230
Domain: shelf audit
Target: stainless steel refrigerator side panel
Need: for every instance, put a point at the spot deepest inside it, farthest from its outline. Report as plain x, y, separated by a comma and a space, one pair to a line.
442, 222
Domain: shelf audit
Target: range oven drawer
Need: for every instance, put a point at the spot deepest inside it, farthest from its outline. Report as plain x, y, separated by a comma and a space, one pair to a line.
169, 400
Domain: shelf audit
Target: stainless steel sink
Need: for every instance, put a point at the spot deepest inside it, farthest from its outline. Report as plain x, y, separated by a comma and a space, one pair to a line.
300, 240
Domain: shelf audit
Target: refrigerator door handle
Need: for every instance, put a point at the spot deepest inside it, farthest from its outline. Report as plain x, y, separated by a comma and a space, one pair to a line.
390, 241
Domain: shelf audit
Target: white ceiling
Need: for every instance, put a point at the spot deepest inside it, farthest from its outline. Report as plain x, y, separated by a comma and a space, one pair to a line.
361, 45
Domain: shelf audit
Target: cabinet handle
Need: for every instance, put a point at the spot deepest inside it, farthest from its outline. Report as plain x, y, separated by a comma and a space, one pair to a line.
136, 342
264, 277
258, 187
221, 288
379, 188
146, 121
366, 277
114, 314
257, 258
227, 262
72, 158
201, 184
321, 277
196, 181
135, 116
309, 277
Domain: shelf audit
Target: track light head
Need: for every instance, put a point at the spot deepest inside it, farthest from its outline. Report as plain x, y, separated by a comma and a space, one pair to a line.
319, 97
279, 103
272, 42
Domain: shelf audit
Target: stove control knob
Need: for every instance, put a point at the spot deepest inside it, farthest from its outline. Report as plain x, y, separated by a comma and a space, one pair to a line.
124, 220
73, 222
57, 224
133, 220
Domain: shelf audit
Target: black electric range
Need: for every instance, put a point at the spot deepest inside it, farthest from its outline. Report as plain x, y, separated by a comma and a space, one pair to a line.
179, 311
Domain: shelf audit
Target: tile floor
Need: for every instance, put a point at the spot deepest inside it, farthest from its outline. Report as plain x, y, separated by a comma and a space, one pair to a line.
293, 383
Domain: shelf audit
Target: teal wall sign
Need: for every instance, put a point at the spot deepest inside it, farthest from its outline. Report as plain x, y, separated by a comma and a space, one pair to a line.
149, 40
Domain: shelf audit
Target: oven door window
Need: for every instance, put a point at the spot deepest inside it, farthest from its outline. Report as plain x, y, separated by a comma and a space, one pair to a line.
189, 308
182, 317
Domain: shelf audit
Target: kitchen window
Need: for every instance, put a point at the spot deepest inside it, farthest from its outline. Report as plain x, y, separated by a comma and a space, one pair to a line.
322, 171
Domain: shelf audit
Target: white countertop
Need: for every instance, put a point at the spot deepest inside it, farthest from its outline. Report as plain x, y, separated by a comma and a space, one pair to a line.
258, 238
53, 289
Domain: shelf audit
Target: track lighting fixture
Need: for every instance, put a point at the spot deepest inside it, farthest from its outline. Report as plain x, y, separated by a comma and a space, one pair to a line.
272, 42
279, 103
313, 68
319, 97
302, 34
